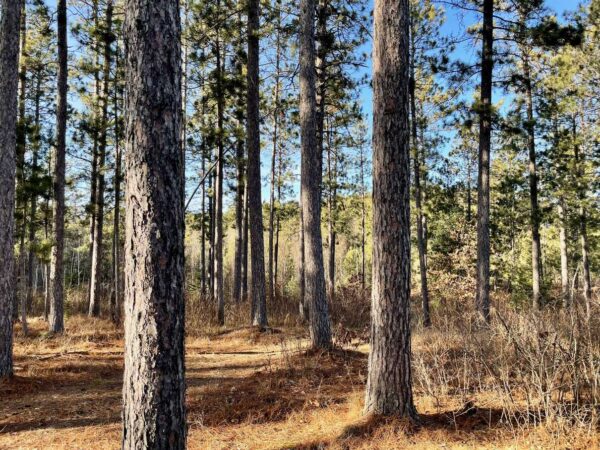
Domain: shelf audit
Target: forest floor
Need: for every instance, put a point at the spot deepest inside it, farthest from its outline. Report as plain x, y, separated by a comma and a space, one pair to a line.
245, 390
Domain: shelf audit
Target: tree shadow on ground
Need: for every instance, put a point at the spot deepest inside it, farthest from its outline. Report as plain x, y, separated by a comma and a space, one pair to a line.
306, 381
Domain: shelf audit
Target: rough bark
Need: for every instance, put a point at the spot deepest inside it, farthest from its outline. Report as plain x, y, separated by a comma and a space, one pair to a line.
257, 249
56, 320
311, 177
97, 245
482, 299
389, 385
154, 383
9, 67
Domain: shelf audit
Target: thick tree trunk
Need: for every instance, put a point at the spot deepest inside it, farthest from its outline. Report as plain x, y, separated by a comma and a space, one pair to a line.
154, 383
389, 384
97, 245
56, 321
9, 68
257, 249
482, 299
311, 177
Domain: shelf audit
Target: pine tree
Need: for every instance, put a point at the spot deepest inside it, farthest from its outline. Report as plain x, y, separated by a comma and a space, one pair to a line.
389, 383
154, 379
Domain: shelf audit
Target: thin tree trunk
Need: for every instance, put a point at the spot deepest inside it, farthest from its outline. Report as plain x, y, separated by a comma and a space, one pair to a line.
245, 247
536, 246
9, 68
203, 226
482, 299
389, 384
56, 321
116, 304
257, 249
21, 197
417, 186
331, 205
311, 177
95, 153
97, 247
239, 223
564, 257
33, 205
154, 378
304, 306
581, 194
218, 236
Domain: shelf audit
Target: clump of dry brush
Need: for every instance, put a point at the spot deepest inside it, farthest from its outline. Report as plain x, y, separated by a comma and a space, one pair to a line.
532, 367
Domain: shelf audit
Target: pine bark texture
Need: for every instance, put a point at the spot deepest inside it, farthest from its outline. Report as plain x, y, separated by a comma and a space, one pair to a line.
257, 246
9, 68
564, 256
311, 177
389, 384
482, 299
154, 383
56, 319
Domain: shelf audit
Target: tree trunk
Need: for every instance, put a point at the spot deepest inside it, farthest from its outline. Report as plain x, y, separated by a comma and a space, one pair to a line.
95, 153
97, 245
389, 384
536, 246
482, 299
33, 206
257, 249
9, 68
304, 306
56, 321
245, 247
154, 382
203, 226
116, 304
564, 257
311, 177
331, 205
417, 186
581, 194
21, 197
239, 223
218, 236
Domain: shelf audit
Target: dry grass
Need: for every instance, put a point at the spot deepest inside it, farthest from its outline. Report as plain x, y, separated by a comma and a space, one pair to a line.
249, 389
